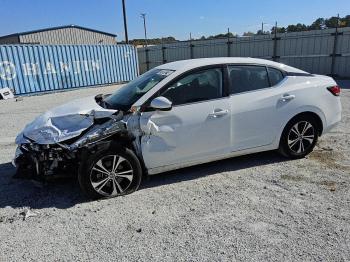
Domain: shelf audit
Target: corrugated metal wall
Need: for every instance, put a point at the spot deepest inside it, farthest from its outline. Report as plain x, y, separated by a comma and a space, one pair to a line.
67, 36
312, 51
10, 40
36, 68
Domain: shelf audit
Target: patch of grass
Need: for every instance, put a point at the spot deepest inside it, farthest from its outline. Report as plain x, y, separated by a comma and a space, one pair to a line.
293, 178
330, 185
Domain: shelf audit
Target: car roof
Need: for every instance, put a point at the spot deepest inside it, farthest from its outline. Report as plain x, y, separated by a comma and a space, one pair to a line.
184, 65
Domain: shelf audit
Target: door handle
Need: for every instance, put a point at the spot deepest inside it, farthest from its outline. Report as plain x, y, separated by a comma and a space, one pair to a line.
218, 112
287, 97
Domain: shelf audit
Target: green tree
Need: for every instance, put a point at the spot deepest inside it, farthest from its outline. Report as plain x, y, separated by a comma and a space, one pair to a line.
153, 41
318, 24
332, 22
221, 36
297, 28
280, 30
291, 28
345, 21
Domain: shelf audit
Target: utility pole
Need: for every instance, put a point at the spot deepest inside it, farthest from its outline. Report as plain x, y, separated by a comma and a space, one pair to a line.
125, 25
338, 22
143, 16
275, 29
262, 27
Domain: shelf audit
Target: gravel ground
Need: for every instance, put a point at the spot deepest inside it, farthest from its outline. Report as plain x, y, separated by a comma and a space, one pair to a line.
253, 208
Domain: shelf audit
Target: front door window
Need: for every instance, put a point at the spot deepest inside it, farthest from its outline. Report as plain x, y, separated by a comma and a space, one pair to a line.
196, 87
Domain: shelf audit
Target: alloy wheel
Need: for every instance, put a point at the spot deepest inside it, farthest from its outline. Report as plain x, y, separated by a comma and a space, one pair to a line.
301, 137
111, 175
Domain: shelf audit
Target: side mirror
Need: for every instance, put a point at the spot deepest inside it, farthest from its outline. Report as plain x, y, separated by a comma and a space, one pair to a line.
161, 103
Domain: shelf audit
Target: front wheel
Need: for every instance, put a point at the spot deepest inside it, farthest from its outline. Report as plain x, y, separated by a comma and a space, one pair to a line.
299, 137
110, 173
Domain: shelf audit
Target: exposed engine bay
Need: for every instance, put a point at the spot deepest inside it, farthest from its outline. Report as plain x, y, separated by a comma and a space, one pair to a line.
56, 141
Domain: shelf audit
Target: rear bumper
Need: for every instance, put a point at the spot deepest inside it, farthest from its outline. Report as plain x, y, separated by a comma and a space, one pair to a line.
334, 120
330, 127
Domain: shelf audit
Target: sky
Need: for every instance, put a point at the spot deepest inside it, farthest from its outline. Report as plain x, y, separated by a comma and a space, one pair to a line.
176, 18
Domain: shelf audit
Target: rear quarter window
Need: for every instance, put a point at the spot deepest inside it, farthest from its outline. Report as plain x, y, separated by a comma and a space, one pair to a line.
275, 76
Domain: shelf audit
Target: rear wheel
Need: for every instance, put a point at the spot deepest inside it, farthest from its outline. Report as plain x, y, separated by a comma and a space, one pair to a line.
299, 137
110, 173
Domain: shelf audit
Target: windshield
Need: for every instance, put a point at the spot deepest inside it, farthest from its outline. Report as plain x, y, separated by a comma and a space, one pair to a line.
123, 98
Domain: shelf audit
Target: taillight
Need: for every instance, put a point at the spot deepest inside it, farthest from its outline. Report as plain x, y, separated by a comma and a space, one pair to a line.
335, 90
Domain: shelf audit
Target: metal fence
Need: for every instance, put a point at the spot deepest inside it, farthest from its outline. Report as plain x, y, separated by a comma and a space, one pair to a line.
320, 51
36, 68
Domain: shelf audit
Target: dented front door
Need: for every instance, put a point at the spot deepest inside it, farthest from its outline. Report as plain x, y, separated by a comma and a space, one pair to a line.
186, 133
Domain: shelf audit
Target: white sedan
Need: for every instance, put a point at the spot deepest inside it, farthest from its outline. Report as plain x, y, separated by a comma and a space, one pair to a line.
177, 115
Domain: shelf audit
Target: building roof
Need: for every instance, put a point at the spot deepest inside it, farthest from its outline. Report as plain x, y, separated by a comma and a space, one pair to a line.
58, 27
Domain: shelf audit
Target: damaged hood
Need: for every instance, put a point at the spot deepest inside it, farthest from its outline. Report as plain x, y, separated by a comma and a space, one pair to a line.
64, 122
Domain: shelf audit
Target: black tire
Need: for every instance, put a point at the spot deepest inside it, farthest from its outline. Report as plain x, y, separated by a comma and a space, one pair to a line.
91, 171
295, 146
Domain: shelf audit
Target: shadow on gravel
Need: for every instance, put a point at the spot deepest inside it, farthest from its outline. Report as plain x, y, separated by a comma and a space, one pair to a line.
227, 165
17, 193
65, 193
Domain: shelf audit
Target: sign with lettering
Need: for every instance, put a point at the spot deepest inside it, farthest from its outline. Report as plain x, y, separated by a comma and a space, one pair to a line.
35, 68
8, 70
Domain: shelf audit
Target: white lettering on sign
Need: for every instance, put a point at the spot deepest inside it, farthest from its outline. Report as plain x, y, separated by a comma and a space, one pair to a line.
7, 70
64, 67
30, 69
86, 65
95, 65
76, 66
49, 69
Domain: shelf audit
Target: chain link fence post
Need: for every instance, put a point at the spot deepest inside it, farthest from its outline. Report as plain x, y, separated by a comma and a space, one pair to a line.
191, 49
147, 58
228, 43
163, 55
334, 54
275, 57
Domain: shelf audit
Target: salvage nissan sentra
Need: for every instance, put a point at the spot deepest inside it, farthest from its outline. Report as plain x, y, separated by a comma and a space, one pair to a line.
177, 115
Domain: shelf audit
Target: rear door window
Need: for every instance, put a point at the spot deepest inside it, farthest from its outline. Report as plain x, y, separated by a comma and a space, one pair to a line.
247, 78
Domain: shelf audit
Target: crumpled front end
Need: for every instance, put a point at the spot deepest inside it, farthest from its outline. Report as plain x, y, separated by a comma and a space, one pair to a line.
56, 129
54, 142
64, 122
40, 160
